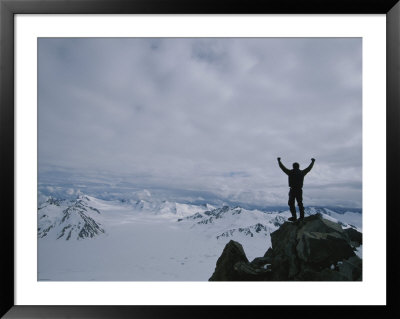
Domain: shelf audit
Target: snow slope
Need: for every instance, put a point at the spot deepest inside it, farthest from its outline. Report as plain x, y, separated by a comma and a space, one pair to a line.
147, 241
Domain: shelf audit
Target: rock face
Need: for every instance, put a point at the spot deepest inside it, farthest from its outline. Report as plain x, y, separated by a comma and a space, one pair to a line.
233, 265
314, 249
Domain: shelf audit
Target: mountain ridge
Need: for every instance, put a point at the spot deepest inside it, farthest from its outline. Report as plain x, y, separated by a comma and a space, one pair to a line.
76, 220
237, 220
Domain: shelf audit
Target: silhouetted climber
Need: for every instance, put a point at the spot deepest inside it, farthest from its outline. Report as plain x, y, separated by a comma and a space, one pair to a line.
296, 178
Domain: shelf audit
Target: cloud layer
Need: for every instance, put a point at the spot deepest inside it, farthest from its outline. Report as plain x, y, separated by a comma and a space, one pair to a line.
206, 114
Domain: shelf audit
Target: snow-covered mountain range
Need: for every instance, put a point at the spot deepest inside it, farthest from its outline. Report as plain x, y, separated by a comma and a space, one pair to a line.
92, 239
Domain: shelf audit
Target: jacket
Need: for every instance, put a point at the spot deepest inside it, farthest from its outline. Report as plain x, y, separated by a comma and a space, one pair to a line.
296, 176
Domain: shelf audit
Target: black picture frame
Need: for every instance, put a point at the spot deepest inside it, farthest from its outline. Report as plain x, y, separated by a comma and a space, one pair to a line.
8, 10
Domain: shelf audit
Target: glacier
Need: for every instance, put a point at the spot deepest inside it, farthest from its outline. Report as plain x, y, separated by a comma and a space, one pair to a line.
92, 239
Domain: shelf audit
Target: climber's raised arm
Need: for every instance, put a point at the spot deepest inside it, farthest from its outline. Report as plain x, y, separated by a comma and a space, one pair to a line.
305, 171
283, 168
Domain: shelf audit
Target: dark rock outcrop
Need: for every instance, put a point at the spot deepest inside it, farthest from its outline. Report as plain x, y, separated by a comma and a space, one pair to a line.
314, 249
354, 236
233, 265
233, 253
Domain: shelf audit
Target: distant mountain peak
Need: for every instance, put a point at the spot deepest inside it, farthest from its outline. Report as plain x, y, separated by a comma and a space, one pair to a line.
73, 220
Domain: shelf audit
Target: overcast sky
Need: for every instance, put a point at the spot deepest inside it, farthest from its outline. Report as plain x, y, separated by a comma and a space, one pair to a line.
206, 114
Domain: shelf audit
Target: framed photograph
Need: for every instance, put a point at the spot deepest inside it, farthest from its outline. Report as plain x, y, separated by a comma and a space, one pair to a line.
170, 158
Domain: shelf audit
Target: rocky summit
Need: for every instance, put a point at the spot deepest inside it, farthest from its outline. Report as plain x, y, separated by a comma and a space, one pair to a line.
312, 249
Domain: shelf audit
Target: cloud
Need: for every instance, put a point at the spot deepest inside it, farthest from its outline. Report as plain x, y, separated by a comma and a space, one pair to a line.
205, 114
